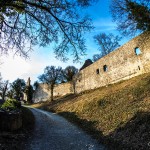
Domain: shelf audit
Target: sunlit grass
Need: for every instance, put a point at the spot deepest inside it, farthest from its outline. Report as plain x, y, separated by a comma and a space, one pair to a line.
108, 108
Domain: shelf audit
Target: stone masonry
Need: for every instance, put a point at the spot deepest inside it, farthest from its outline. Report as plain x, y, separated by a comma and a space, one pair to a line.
129, 60
43, 93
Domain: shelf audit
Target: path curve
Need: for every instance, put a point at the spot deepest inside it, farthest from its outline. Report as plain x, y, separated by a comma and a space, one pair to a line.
53, 132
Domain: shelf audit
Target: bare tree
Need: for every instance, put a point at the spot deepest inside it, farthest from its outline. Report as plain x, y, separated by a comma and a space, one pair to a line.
106, 43
51, 76
3, 87
131, 16
96, 57
69, 72
25, 23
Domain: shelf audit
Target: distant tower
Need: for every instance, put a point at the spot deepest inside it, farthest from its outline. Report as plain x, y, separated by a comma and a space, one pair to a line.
28, 82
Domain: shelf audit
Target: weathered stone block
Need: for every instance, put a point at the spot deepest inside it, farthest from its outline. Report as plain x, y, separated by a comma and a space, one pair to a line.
10, 121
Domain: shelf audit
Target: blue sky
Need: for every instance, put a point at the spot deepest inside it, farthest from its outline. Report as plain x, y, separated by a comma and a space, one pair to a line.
14, 67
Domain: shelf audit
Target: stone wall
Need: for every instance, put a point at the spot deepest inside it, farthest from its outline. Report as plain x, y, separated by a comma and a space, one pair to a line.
43, 93
121, 64
10, 121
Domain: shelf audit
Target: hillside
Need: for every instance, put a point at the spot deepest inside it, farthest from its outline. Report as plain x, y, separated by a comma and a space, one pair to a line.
118, 114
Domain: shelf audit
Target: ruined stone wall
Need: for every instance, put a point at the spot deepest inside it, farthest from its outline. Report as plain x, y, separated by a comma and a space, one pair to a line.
10, 121
123, 63
43, 93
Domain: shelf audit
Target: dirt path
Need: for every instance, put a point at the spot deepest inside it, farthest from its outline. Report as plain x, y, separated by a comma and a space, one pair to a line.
53, 132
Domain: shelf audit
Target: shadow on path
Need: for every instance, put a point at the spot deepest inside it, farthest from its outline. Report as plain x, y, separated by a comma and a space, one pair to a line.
53, 132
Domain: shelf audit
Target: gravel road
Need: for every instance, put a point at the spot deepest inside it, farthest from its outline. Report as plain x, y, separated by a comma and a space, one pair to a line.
53, 132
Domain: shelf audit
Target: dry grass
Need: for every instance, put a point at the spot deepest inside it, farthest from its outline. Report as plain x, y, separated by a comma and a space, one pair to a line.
109, 110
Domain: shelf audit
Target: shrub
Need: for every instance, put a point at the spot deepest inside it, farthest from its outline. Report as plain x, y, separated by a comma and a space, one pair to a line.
11, 104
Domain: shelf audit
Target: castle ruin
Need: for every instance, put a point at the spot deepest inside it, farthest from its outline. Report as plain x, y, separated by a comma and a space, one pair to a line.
127, 61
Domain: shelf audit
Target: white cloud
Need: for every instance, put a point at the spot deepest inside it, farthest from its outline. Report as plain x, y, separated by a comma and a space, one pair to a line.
13, 67
17, 67
104, 25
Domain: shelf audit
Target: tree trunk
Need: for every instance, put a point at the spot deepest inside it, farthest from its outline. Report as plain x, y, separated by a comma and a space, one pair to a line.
4, 92
52, 89
3, 95
74, 86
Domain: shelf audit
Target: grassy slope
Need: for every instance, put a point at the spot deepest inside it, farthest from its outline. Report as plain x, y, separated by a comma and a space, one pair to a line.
118, 113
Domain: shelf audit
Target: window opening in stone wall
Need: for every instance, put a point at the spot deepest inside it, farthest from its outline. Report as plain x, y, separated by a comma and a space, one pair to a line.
139, 68
97, 71
137, 51
105, 68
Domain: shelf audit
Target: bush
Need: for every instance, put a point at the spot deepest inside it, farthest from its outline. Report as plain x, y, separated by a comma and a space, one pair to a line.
11, 104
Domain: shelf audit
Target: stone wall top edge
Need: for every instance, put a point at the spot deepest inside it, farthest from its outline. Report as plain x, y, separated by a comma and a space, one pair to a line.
115, 51
43, 84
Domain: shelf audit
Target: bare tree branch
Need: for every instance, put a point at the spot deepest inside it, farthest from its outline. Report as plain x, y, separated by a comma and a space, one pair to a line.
27, 22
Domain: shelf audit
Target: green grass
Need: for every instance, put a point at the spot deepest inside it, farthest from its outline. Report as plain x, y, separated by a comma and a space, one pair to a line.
118, 113
11, 104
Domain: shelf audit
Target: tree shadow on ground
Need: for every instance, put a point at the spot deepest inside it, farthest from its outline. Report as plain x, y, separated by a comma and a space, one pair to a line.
134, 135
85, 125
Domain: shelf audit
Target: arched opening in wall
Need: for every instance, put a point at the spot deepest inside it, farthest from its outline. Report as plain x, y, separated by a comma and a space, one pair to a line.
105, 68
137, 51
97, 71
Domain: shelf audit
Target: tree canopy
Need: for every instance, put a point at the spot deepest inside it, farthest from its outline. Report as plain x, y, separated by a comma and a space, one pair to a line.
69, 72
17, 88
51, 76
131, 16
29, 93
25, 23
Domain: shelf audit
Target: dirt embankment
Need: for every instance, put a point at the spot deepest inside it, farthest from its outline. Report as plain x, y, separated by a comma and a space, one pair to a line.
118, 115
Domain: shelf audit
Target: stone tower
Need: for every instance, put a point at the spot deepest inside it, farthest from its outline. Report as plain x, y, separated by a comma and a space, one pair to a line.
28, 82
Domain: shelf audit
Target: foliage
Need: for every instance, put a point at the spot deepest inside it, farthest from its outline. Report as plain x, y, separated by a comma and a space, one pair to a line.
35, 85
28, 22
131, 16
11, 104
10, 93
106, 43
69, 72
18, 87
51, 76
29, 93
